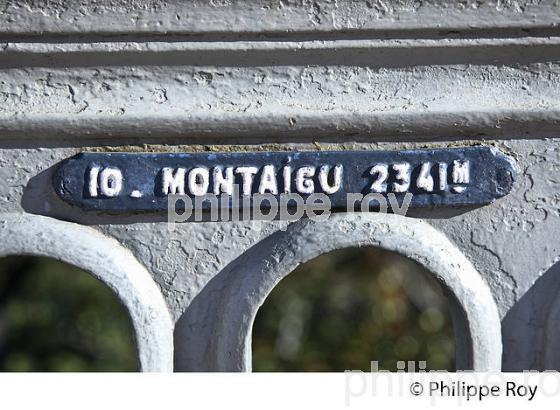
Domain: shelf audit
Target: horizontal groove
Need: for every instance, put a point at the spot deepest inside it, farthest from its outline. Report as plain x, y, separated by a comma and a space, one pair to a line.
282, 35
276, 128
367, 53
287, 20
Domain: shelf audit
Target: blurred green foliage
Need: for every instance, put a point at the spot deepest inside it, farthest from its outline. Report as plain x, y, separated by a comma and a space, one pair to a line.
337, 312
55, 317
347, 308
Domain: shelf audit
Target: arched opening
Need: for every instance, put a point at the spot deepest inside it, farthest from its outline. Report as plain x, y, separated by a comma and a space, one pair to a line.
57, 317
349, 307
231, 300
108, 261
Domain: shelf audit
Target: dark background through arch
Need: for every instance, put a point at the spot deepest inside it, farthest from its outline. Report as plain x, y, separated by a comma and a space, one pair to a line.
346, 308
56, 317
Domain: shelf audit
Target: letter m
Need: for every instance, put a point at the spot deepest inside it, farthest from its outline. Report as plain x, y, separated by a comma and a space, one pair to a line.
173, 182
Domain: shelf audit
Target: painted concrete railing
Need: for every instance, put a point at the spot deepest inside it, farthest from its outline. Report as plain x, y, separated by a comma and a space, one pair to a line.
124, 76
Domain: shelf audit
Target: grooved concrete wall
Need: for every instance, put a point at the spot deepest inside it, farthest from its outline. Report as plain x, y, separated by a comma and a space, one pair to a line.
178, 76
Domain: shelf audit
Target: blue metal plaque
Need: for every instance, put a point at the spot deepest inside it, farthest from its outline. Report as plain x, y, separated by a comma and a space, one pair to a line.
125, 182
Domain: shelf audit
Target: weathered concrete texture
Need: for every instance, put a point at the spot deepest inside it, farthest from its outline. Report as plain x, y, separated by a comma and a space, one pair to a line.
299, 70
269, 16
109, 262
294, 75
343, 94
516, 238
